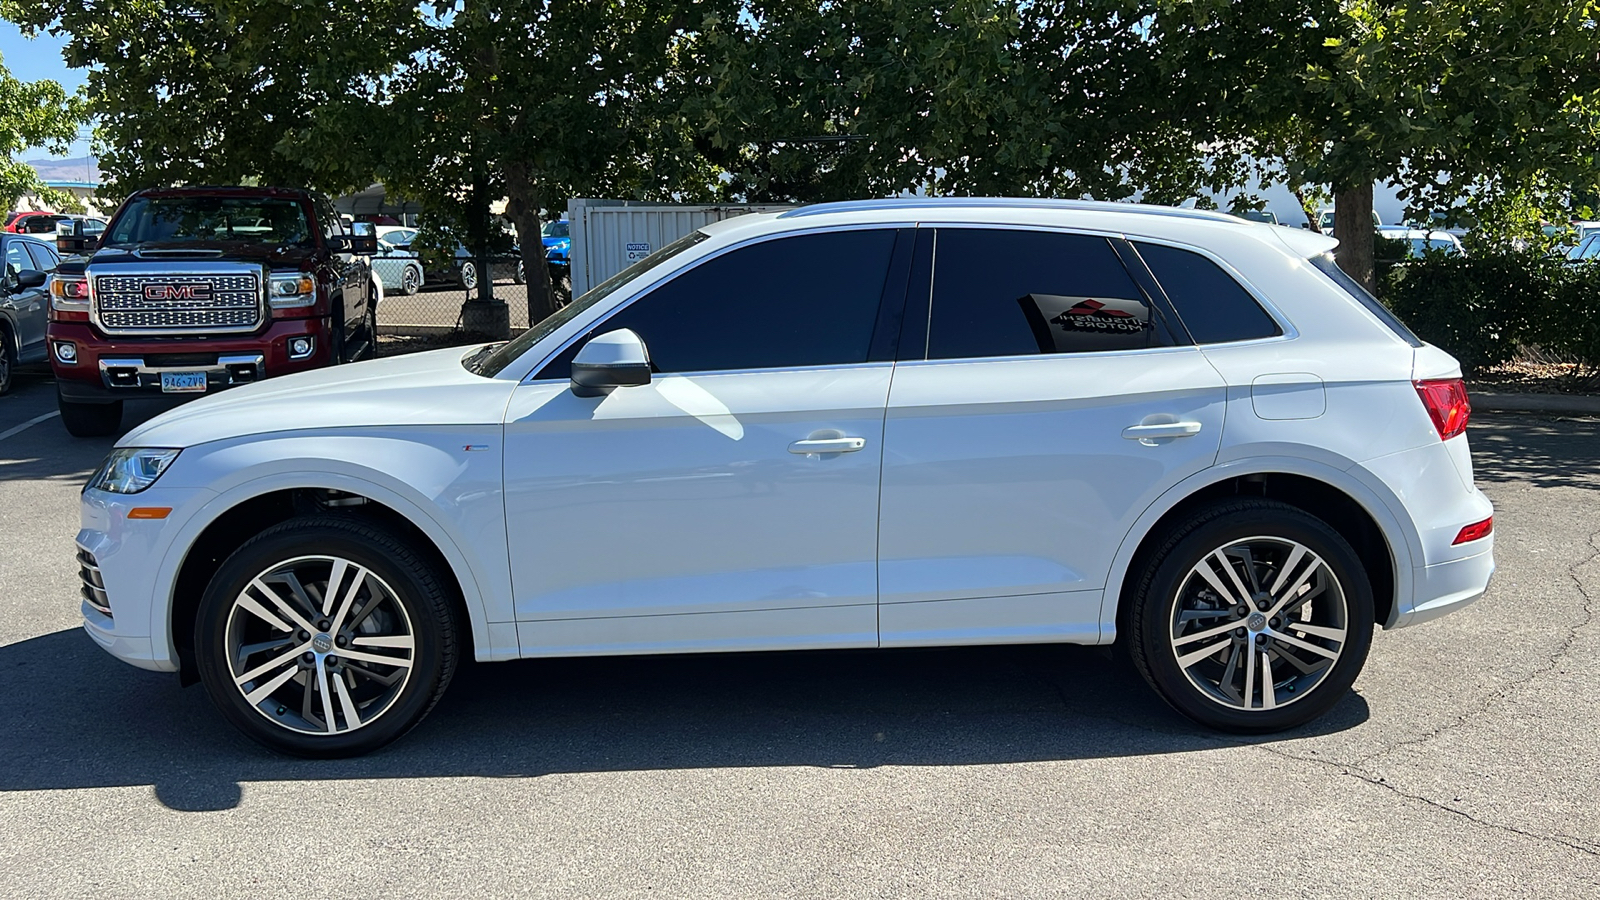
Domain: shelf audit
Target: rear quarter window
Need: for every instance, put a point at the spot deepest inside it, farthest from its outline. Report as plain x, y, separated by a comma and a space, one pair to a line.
1211, 304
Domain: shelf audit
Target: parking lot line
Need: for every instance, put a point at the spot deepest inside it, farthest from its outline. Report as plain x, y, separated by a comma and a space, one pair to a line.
28, 424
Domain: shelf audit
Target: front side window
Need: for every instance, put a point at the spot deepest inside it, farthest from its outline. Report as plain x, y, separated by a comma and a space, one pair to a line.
1211, 304
1001, 292
16, 259
177, 220
808, 300
43, 257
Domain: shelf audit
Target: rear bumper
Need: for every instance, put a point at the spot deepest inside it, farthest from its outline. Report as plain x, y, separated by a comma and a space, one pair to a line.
1444, 588
107, 370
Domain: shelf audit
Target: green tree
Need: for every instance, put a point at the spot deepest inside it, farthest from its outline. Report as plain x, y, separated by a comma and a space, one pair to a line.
34, 114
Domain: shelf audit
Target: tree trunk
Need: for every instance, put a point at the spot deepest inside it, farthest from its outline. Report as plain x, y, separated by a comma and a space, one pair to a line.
522, 207
1352, 225
1309, 208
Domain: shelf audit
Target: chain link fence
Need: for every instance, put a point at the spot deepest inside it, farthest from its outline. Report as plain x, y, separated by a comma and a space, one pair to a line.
472, 300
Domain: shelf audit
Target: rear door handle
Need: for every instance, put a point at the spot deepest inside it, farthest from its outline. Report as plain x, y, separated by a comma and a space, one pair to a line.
828, 445
1161, 430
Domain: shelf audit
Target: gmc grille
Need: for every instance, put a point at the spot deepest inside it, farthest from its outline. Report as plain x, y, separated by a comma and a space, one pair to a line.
178, 302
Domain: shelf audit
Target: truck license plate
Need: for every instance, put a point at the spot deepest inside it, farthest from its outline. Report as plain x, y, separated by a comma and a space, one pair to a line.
183, 382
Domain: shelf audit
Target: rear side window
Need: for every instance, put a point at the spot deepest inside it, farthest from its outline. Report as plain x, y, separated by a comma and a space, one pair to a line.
1211, 304
1001, 292
1328, 267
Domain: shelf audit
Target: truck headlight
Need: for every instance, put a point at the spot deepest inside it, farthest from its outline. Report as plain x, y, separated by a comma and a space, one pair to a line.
291, 290
129, 470
69, 293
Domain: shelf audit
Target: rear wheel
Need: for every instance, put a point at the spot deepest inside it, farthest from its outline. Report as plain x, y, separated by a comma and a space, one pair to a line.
325, 637
410, 280
469, 276
1254, 617
91, 419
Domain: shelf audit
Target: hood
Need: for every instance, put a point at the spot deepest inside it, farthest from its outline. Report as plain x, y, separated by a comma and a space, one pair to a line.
275, 256
424, 389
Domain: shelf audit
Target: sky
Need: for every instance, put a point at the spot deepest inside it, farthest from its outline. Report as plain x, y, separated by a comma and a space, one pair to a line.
31, 60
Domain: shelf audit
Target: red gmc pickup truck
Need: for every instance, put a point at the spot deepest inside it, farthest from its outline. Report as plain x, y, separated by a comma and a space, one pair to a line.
191, 290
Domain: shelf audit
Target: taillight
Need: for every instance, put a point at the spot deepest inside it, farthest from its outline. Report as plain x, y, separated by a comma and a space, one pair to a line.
1475, 531
1446, 400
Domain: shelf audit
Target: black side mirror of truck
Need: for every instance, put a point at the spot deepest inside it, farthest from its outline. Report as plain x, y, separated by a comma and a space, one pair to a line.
70, 239
362, 239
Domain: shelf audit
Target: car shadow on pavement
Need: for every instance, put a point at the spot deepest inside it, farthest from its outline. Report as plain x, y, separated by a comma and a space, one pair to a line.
76, 718
1541, 451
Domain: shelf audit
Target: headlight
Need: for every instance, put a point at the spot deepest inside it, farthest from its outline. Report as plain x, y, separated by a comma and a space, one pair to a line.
294, 289
129, 470
69, 293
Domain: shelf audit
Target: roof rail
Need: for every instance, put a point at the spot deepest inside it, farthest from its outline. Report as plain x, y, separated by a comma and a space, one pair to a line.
819, 209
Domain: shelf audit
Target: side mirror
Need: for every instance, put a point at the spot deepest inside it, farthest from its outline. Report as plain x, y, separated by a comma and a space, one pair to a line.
30, 278
71, 240
362, 239
611, 360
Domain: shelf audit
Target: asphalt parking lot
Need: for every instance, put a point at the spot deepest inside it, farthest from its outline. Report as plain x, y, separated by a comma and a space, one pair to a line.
1464, 764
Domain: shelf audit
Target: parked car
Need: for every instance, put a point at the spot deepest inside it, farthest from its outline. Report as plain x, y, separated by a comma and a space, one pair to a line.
1165, 428
396, 267
1264, 216
24, 303
35, 222
1421, 242
1326, 217
557, 245
196, 289
1588, 250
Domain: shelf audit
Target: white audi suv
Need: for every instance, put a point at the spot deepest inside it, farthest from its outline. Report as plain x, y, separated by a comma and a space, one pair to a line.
871, 424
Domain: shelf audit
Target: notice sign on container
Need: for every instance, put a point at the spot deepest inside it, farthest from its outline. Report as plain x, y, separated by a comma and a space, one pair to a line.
637, 252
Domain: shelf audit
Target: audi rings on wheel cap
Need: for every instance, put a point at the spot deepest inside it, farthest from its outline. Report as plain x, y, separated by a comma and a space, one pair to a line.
1282, 648
345, 684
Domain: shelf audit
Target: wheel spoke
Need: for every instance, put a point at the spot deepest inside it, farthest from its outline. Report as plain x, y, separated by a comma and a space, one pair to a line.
249, 604
1321, 631
352, 718
1202, 635
1269, 699
1191, 615
327, 698
1250, 680
1294, 590
1190, 659
249, 650
375, 658
1204, 570
359, 579
395, 641
283, 607
298, 589
269, 665
335, 579
1249, 560
264, 691
1309, 648
385, 680
1229, 671
1295, 556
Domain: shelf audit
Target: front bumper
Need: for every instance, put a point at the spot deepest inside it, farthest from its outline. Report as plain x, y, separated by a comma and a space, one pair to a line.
106, 369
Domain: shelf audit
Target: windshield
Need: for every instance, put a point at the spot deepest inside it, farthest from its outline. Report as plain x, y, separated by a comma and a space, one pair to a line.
1420, 246
255, 220
489, 361
554, 229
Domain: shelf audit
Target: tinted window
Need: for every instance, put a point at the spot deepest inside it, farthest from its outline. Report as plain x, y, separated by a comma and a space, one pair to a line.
810, 300
195, 218
1213, 306
43, 257
1020, 293
16, 258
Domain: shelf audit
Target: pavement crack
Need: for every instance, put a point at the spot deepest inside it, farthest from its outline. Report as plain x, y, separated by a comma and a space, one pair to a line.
1499, 694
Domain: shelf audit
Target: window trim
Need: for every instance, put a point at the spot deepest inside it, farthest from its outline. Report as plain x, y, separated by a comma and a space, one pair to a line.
1289, 332
927, 270
886, 294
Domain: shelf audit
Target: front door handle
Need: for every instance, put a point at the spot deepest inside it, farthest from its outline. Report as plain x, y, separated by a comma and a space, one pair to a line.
1158, 430
828, 445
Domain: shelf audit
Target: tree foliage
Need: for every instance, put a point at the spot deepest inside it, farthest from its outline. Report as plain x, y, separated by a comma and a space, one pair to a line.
34, 114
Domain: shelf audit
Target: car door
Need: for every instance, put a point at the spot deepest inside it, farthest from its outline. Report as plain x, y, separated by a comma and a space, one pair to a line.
350, 270
1045, 397
33, 304
691, 513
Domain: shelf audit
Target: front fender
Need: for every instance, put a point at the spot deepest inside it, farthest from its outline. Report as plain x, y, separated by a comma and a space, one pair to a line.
452, 495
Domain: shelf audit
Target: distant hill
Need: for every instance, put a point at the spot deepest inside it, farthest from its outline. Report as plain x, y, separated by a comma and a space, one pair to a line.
83, 168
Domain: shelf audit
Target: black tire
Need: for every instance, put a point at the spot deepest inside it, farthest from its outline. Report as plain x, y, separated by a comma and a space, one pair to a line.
1173, 607
372, 325
521, 275
469, 276
8, 361
90, 419
410, 581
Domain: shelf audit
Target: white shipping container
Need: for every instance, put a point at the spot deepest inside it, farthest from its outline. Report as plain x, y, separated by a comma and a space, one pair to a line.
610, 235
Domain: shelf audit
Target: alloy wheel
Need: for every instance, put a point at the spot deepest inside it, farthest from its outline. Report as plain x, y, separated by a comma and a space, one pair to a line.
319, 645
1259, 623
469, 276
409, 281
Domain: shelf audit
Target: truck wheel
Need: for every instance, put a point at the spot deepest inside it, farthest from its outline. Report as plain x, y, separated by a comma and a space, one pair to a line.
91, 419
326, 637
8, 361
372, 326
469, 276
410, 280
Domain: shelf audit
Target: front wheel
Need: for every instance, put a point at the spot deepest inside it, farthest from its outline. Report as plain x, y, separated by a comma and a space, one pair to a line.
469, 276
325, 637
90, 419
8, 361
1253, 617
410, 280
